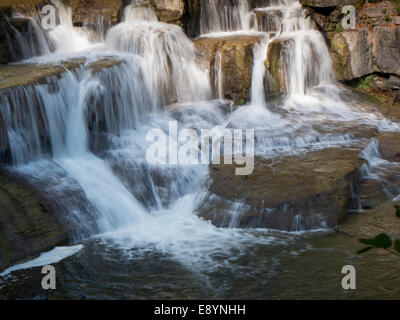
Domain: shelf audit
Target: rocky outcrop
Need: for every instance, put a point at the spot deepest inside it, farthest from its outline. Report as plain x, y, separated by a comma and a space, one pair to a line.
372, 47
364, 51
27, 224
233, 56
315, 193
170, 11
88, 11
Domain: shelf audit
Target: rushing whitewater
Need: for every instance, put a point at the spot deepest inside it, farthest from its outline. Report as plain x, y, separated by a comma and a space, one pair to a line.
93, 163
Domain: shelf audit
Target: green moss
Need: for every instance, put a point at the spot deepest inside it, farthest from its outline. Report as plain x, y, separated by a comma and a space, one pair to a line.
387, 18
364, 83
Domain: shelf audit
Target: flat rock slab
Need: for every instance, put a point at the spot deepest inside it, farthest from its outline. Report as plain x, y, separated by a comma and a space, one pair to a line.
370, 223
26, 74
294, 193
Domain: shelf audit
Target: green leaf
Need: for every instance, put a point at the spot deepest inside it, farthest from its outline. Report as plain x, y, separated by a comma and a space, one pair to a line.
397, 211
364, 250
397, 245
380, 241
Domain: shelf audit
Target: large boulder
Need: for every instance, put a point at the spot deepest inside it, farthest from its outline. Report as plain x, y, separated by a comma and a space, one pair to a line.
294, 193
233, 57
27, 224
169, 10
356, 53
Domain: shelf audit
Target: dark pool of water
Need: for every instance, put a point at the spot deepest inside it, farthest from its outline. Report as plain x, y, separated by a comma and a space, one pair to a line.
306, 267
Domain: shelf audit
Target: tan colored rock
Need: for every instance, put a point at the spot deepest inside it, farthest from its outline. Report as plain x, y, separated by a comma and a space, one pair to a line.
293, 193
370, 223
169, 10
389, 146
16, 75
88, 11
236, 56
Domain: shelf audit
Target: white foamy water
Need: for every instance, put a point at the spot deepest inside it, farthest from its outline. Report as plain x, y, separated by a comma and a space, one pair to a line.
45, 258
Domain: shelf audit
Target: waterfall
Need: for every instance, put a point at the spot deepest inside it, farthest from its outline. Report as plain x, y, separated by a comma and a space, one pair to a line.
306, 57
168, 56
24, 45
225, 16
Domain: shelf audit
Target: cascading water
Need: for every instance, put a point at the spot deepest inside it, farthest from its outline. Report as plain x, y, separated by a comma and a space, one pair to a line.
168, 55
82, 137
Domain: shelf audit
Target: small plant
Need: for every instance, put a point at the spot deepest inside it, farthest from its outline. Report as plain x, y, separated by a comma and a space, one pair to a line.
387, 18
364, 83
398, 9
339, 28
382, 241
384, 10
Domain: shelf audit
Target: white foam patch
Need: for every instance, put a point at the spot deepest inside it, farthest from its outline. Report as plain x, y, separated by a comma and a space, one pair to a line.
45, 258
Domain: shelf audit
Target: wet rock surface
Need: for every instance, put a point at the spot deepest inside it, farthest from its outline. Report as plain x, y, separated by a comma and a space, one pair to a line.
169, 10
27, 224
370, 223
294, 193
236, 64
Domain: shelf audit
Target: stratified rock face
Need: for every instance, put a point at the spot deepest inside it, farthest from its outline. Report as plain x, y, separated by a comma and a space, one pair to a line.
88, 11
27, 225
296, 193
233, 56
363, 51
169, 10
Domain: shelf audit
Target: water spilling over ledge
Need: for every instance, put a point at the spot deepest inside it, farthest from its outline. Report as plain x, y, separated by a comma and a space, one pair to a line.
75, 117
